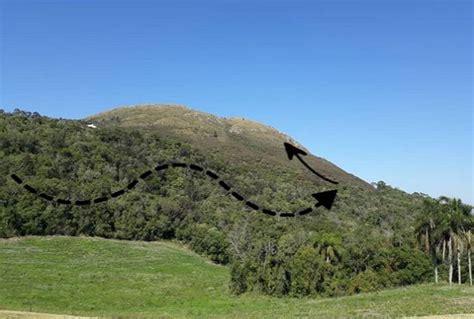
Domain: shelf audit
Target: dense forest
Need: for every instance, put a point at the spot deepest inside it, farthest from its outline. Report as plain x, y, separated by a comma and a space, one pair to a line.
374, 236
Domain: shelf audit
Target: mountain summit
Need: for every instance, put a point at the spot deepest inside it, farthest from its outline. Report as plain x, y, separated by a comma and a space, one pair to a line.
230, 138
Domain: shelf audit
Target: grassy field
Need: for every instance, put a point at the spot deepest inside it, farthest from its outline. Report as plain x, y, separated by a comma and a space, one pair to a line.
98, 277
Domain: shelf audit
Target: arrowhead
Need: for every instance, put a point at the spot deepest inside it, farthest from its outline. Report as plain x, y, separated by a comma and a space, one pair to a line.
292, 151
326, 198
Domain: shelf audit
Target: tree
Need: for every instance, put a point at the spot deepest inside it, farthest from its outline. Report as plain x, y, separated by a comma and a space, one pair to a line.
468, 235
455, 218
328, 246
459, 245
425, 231
306, 272
459, 221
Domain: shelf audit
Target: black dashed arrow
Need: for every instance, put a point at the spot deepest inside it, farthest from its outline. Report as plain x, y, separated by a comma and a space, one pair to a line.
324, 199
294, 151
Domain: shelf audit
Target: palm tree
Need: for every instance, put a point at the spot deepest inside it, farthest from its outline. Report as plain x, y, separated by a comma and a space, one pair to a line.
457, 220
425, 232
328, 246
468, 240
463, 224
468, 235
458, 241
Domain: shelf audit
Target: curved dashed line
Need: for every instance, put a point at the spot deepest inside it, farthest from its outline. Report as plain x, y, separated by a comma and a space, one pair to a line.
196, 167
132, 184
100, 200
305, 211
45, 196
252, 205
161, 167
224, 185
118, 193
85, 202
237, 196
212, 175
30, 189
148, 173
16, 179
268, 212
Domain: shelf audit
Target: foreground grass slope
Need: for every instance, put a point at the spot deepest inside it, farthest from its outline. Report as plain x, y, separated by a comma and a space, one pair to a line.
91, 276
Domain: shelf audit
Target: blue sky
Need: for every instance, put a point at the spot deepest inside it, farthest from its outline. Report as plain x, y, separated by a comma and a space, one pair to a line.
381, 88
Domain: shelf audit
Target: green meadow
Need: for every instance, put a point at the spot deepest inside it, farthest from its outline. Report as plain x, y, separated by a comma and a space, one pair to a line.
111, 278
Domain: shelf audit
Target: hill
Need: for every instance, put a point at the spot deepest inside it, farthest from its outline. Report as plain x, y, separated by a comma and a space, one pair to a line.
97, 277
234, 139
364, 243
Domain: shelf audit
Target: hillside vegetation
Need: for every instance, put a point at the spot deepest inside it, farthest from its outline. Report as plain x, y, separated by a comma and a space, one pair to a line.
97, 277
366, 242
